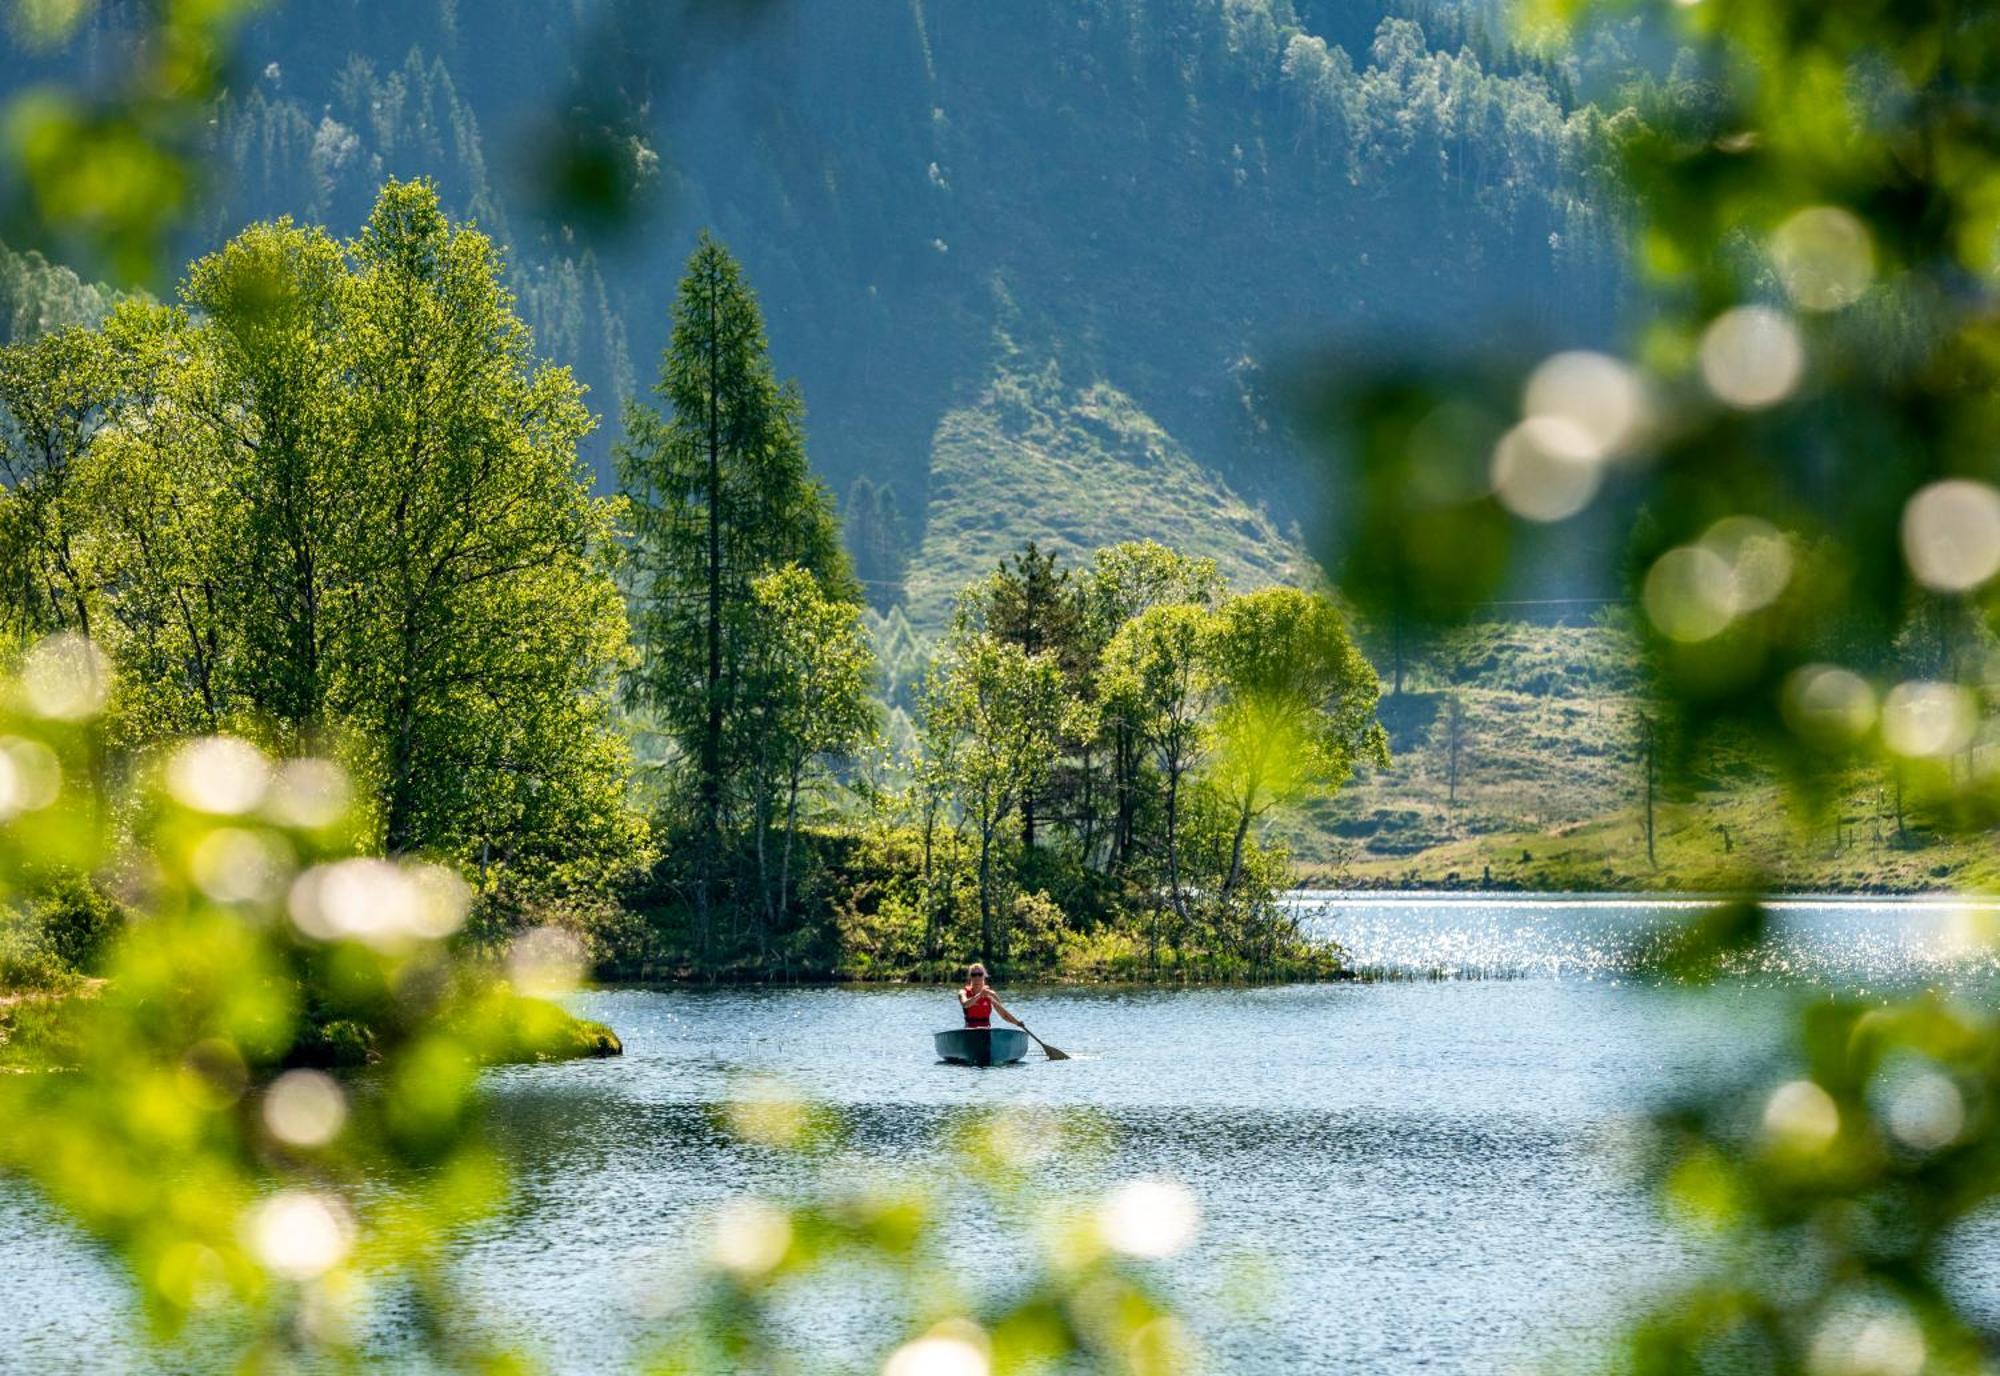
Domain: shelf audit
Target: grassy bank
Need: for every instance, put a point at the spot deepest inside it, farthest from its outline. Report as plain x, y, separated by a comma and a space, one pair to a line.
1719, 841
42, 1029
38, 1030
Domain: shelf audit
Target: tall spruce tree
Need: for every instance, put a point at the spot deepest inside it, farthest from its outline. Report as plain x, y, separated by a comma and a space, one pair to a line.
720, 495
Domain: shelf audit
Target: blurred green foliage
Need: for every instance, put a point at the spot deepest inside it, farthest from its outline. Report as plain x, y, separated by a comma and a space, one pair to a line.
1081, 1300
1837, 1201
107, 174
181, 1121
1804, 435
1805, 440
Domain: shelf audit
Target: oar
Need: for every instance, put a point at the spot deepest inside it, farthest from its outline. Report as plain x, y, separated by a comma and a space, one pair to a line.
1047, 1050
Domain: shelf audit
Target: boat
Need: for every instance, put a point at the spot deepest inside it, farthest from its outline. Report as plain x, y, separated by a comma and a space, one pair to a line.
981, 1045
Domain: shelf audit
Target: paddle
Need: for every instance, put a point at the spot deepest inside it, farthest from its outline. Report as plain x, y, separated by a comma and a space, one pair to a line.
1047, 1050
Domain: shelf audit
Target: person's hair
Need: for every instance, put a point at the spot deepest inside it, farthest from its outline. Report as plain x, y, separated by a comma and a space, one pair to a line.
975, 969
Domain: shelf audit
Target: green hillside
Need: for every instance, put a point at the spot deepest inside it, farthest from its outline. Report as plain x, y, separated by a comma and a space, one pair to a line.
1074, 469
1551, 783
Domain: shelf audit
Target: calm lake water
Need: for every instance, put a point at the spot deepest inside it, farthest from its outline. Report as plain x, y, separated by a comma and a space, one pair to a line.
1433, 1173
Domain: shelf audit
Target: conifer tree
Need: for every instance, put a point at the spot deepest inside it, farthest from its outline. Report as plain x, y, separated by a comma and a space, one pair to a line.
720, 495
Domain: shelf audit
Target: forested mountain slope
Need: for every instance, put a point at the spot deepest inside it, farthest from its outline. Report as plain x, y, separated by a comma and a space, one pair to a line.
1164, 196
37, 296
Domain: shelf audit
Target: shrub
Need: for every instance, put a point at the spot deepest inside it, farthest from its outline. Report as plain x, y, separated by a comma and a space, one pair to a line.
78, 920
29, 962
613, 936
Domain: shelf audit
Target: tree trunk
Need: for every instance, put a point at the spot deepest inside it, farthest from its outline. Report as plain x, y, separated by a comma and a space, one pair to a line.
791, 833
75, 581
401, 822
1646, 725
711, 736
1236, 850
761, 823
1454, 722
1153, 943
1125, 789
1087, 806
1174, 846
930, 882
986, 892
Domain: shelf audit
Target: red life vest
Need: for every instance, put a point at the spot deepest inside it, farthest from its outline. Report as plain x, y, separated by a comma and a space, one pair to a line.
979, 1011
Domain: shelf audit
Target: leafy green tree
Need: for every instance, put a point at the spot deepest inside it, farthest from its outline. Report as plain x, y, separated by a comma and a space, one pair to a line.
272, 338
1124, 581
1129, 578
992, 717
1298, 705
38, 297
332, 501
53, 396
1159, 681
487, 624
1031, 603
165, 520
808, 676
720, 494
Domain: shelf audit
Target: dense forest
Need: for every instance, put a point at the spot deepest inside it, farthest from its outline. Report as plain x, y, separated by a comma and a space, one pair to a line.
330, 504
930, 196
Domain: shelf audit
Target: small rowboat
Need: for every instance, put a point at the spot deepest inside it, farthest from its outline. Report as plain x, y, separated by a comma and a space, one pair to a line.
981, 1045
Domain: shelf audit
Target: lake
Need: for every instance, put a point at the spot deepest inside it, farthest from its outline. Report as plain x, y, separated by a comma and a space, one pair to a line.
1433, 1171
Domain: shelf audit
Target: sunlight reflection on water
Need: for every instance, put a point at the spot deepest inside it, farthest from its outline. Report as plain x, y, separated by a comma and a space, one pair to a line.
1434, 1176
1849, 945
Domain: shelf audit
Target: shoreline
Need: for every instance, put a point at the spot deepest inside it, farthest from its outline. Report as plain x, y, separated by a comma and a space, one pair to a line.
1591, 880
1645, 898
38, 1034
1344, 975
1306, 896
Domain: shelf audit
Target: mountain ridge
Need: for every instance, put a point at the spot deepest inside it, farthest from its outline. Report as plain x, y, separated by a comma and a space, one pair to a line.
1173, 195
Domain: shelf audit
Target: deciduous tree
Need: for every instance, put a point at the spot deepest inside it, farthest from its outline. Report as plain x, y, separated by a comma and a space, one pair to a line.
1298, 707
808, 676
53, 396
993, 713
1159, 682
332, 501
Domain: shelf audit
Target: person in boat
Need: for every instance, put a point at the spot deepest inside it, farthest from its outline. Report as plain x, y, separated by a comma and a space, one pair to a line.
979, 1003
